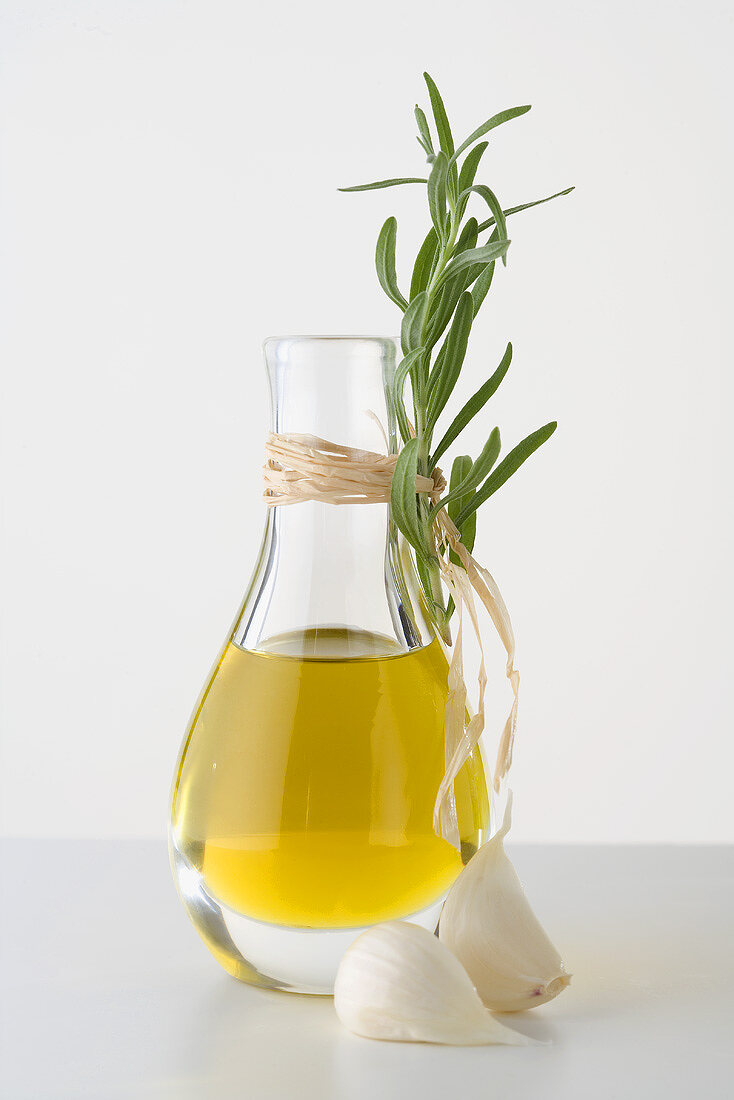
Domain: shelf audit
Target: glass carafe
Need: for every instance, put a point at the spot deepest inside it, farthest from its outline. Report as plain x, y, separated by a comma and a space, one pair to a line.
303, 796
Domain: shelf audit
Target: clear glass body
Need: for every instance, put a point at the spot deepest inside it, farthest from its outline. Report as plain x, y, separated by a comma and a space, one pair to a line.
303, 796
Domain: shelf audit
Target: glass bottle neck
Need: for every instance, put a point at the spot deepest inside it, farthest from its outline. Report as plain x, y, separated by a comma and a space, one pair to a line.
326, 569
332, 568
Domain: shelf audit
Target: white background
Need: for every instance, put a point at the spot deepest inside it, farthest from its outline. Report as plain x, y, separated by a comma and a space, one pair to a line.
168, 199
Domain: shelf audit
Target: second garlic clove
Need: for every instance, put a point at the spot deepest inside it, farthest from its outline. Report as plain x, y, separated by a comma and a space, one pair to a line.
487, 923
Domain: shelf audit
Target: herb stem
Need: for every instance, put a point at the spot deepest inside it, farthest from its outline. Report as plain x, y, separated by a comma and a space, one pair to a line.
420, 403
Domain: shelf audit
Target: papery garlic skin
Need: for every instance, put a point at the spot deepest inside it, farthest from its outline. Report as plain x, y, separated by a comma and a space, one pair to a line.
398, 982
487, 923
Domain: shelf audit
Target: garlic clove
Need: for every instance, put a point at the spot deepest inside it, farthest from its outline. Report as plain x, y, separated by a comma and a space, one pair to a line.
397, 981
488, 924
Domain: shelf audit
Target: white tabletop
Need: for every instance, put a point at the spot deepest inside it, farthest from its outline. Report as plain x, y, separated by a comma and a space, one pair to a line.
107, 991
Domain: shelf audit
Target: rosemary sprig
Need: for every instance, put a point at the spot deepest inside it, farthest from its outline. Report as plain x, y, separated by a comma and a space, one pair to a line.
451, 277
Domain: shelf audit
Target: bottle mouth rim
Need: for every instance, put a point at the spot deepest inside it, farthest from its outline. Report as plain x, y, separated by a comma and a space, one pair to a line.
322, 338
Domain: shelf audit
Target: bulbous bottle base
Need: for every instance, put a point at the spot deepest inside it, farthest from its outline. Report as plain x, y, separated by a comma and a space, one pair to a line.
303, 797
271, 956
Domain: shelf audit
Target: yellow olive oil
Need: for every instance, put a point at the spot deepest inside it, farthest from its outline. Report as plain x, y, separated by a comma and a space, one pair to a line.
305, 790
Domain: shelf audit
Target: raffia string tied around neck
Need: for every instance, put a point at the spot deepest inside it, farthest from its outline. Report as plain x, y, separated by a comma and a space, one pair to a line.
304, 467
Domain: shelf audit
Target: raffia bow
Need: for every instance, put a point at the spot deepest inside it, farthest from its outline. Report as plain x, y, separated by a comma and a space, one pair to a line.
305, 467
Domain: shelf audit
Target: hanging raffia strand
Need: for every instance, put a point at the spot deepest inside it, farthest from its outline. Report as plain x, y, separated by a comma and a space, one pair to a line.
305, 467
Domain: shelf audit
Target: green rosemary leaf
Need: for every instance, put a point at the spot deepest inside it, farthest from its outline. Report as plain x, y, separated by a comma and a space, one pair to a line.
480, 290
385, 262
405, 367
495, 120
453, 288
467, 174
470, 165
445, 137
526, 206
454, 351
451, 292
459, 471
481, 287
402, 418
452, 189
425, 133
481, 468
474, 272
435, 372
445, 307
474, 405
468, 531
509, 465
437, 193
472, 475
467, 237
483, 255
424, 263
441, 314
403, 499
493, 203
422, 569
383, 183
460, 468
413, 321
